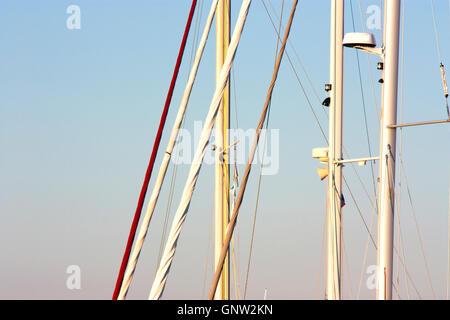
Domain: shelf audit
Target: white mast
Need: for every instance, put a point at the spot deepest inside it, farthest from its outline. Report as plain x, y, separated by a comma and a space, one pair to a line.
388, 149
218, 145
334, 252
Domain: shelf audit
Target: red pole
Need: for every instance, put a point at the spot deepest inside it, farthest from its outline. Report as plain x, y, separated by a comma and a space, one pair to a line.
148, 174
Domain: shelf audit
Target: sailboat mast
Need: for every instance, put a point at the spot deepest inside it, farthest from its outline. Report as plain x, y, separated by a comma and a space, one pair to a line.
221, 189
334, 221
388, 151
226, 143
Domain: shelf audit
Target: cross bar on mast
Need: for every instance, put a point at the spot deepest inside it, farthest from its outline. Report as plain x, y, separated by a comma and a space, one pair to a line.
415, 124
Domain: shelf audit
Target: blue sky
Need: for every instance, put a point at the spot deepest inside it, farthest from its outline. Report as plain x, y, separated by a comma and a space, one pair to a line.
79, 110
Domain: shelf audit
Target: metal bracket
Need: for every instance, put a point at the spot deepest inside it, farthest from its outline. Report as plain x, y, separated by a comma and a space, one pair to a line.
361, 161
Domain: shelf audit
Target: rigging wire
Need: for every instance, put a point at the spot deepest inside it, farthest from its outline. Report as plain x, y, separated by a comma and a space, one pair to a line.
413, 210
373, 179
391, 186
391, 201
365, 116
369, 63
168, 206
235, 273
166, 159
436, 34
364, 105
297, 57
352, 165
235, 188
322, 252
237, 288
441, 65
400, 144
208, 251
373, 239
195, 44
347, 268
149, 170
448, 245
239, 199
309, 102
373, 213
182, 211
300, 83
400, 155
366, 250
296, 75
261, 167
256, 208
320, 126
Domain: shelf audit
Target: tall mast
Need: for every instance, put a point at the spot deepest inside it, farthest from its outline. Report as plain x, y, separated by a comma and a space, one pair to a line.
334, 221
388, 150
226, 143
221, 189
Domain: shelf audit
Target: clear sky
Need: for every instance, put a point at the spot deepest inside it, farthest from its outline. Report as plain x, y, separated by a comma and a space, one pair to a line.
79, 110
